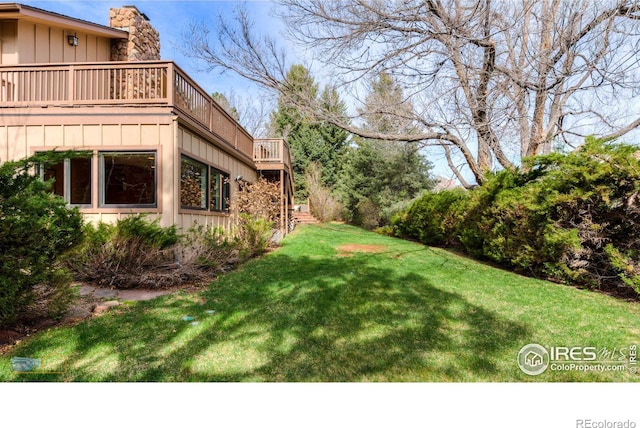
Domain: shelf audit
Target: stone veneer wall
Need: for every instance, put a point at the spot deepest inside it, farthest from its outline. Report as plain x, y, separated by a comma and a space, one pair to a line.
144, 40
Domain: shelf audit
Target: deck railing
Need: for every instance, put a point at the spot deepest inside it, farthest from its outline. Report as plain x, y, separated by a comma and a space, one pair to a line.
119, 84
272, 151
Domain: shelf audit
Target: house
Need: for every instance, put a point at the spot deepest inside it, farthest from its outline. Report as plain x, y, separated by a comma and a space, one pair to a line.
155, 141
533, 359
444, 183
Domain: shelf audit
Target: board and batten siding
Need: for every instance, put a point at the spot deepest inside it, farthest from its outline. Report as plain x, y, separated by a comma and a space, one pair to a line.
190, 144
8, 48
24, 42
20, 141
166, 136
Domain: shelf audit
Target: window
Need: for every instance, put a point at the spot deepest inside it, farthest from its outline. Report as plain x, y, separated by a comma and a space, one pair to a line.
203, 187
80, 182
220, 190
193, 184
128, 178
56, 174
216, 194
72, 179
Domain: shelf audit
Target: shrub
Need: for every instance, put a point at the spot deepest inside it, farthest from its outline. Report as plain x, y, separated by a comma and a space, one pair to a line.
572, 218
258, 207
429, 219
367, 214
203, 252
253, 235
137, 252
36, 230
324, 204
508, 222
151, 233
134, 252
388, 213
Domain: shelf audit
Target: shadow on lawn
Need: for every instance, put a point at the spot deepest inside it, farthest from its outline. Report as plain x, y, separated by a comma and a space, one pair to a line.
326, 319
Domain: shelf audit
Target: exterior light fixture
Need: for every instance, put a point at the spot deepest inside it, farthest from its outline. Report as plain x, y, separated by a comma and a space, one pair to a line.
72, 40
241, 181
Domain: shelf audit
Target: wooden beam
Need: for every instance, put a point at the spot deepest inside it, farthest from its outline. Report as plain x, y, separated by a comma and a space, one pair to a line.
281, 202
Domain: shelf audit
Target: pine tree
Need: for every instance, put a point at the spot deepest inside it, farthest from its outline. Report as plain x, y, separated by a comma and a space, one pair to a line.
309, 141
224, 102
380, 174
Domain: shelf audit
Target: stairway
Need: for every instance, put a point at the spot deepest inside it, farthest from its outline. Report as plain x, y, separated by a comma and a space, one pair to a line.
304, 217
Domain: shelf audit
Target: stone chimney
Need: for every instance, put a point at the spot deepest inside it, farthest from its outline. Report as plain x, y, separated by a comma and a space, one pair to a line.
144, 40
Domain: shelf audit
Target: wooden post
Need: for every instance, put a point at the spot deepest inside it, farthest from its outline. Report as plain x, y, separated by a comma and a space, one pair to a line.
72, 84
286, 209
171, 85
282, 225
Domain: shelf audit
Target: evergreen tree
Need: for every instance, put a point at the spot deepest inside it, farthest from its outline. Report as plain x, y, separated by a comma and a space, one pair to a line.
310, 142
378, 175
224, 102
334, 138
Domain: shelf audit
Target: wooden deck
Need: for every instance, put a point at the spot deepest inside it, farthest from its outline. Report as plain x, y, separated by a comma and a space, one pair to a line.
270, 154
116, 85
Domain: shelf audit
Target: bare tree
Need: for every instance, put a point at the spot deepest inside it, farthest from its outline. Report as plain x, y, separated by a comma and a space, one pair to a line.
253, 111
490, 81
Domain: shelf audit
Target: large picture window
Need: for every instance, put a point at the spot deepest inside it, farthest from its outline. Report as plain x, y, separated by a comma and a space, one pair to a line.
72, 179
128, 178
193, 184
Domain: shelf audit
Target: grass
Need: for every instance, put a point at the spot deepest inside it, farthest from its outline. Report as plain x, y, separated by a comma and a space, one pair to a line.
320, 309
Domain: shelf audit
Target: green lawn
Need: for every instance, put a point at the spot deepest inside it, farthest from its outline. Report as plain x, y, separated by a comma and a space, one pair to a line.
311, 311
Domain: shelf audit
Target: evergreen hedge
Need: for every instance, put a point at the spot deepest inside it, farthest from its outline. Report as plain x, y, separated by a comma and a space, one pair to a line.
36, 229
567, 217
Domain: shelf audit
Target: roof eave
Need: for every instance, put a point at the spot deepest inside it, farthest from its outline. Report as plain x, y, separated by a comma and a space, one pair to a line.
30, 13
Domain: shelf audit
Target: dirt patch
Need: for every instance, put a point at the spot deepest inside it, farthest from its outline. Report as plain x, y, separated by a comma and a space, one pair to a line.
347, 250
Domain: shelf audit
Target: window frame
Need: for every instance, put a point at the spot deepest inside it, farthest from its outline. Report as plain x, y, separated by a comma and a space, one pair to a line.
66, 177
224, 195
207, 184
212, 171
102, 179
